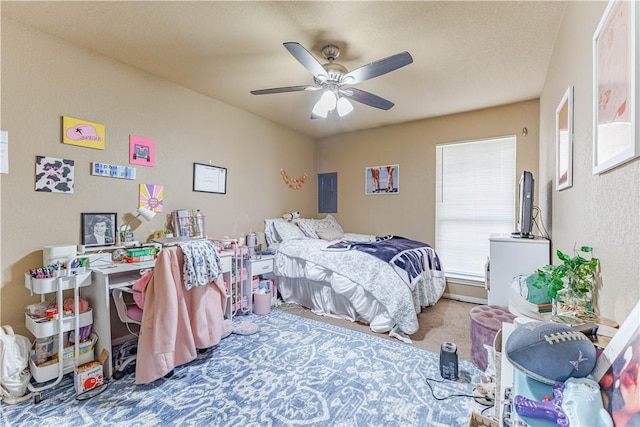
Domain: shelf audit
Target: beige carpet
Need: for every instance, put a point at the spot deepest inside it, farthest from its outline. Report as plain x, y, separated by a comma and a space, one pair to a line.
448, 320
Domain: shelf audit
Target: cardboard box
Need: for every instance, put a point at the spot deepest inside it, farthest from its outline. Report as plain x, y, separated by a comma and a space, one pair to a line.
90, 375
478, 420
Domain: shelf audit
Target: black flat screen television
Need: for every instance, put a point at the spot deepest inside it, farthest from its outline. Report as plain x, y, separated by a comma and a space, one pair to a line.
525, 206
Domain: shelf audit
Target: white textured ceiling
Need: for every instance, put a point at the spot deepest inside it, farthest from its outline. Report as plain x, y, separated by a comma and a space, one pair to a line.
467, 54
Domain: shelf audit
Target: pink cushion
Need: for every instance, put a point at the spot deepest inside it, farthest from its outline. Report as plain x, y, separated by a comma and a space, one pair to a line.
134, 313
138, 287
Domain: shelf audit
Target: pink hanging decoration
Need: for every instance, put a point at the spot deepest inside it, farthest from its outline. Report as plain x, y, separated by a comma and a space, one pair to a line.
293, 183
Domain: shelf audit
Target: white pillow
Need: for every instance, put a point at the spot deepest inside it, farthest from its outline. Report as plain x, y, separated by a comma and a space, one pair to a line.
329, 233
270, 232
332, 222
310, 227
288, 230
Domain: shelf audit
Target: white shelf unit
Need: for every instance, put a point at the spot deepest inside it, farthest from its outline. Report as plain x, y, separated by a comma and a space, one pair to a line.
509, 257
57, 327
237, 282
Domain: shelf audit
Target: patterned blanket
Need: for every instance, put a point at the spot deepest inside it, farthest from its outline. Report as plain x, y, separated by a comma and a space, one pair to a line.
201, 263
409, 258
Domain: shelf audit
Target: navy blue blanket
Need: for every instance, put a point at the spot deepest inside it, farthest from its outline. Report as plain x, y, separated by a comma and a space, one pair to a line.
409, 258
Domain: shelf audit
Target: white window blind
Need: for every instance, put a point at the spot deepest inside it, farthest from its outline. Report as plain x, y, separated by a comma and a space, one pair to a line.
475, 197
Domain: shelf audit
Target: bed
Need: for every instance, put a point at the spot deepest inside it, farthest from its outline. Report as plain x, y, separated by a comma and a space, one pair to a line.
321, 267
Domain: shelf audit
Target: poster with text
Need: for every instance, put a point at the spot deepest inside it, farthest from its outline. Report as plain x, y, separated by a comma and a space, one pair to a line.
151, 197
82, 133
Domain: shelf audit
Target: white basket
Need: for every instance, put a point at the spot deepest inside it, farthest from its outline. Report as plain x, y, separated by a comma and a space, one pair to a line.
46, 373
45, 286
50, 327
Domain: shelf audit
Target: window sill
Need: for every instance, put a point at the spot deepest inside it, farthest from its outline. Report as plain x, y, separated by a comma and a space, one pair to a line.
467, 280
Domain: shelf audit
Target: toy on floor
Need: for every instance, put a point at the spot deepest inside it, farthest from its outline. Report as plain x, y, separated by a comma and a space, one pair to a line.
485, 392
240, 328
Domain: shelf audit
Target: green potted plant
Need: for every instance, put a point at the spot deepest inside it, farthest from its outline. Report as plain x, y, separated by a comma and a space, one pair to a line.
569, 284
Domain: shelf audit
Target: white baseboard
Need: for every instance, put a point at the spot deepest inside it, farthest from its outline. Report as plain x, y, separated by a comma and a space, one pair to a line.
465, 298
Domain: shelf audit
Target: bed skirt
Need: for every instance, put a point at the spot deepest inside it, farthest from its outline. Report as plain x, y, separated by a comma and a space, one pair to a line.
352, 303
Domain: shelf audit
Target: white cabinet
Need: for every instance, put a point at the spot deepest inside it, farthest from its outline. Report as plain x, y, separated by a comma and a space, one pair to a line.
263, 266
509, 257
260, 266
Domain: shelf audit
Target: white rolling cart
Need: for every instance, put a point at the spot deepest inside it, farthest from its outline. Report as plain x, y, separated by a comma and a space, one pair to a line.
68, 280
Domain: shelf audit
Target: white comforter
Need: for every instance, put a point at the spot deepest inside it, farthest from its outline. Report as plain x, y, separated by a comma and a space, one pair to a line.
361, 278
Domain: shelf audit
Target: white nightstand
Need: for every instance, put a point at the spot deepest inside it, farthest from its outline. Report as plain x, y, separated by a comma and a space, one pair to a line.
261, 266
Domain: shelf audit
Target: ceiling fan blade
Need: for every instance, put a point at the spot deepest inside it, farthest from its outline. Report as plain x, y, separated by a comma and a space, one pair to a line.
304, 57
283, 89
368, 98
378, 68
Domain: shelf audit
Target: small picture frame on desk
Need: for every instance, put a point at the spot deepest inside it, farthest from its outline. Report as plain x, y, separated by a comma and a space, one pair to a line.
99, 229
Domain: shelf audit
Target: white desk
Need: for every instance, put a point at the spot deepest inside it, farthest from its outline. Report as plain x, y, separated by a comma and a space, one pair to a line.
104, 280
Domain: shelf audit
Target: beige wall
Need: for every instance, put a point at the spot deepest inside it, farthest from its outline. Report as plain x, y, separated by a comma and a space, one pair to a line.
601, 211
44, 79
411, 213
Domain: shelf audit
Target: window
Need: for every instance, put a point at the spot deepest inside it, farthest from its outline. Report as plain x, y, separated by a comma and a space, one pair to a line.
475, 197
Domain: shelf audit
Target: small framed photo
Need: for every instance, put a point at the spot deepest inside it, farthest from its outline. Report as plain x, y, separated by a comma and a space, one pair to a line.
616, 134
564, 141
99, 229
382, 179
209, 179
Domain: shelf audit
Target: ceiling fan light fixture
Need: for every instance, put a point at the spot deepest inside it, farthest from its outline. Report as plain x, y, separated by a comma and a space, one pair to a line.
328, 100
343, 106
326, 103
320, 111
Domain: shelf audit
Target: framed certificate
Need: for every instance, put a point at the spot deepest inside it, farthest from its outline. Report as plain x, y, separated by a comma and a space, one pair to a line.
209, 179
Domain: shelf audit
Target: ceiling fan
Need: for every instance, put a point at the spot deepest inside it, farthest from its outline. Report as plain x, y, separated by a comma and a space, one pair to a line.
335, 80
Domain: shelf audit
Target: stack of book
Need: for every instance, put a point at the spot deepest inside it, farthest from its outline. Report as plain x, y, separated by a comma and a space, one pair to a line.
520, 306
188, 223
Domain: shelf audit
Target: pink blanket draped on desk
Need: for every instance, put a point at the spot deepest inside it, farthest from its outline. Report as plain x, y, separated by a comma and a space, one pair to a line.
176, 321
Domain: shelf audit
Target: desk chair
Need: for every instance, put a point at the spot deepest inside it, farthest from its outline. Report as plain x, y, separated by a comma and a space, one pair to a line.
128, 302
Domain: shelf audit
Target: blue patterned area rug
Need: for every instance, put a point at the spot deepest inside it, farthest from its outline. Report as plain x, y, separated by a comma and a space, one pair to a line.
294, 371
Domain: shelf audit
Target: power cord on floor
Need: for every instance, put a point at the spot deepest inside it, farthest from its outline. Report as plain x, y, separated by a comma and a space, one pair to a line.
485, 400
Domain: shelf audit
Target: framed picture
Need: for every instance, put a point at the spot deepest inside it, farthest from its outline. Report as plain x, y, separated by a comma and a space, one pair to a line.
142, 151
99, 229
616, 138
54, 175
83, 133
209, 179
564, 141
382, 179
